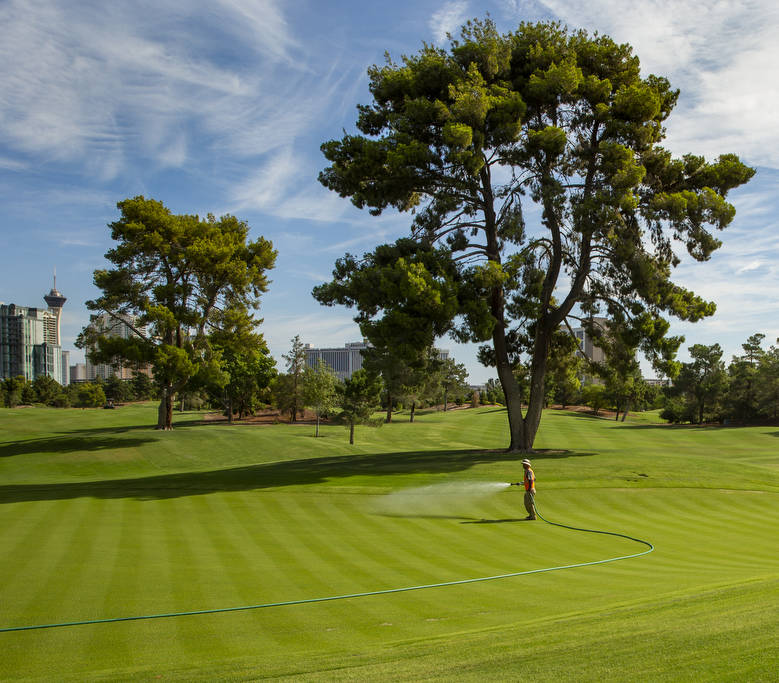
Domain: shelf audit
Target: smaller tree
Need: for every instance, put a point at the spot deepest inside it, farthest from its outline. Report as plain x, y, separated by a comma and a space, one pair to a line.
90, 395
13, 387
143, 387
360, 397
395, 373
320, 390
703, 382
421, 378
452, 378
28, 394
677, 410
493, 391
242, 367
742, 401
594, 396
564, 368
282, 394
296, 363
46, 389
118, 389
767, 383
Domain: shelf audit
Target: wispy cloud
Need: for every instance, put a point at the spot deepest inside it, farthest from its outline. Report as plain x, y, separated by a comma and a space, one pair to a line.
102, 84
262, 24
447, 19
729, 90
747, 267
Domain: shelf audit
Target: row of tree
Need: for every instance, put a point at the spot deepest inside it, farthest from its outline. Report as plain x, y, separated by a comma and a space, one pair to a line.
386, 379
744, 391
44, 390
15, 391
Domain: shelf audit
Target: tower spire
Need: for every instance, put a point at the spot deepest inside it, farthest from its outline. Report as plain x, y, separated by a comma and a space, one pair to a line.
56, 301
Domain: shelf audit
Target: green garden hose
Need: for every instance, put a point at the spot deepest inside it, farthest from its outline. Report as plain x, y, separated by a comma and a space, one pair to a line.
355, 595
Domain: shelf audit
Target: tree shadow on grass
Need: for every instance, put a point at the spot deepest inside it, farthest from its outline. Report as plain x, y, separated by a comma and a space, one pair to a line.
118, 429
86, 440
424, 516
69, 444
271, 475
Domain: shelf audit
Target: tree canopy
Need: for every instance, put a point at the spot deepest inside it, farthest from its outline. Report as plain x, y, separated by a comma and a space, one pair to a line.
532, 163
174, 278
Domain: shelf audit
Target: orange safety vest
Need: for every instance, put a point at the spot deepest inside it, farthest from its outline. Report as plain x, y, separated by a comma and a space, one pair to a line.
530, 479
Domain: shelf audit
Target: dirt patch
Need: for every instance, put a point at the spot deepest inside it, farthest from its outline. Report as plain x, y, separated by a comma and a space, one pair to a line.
267, 416
603, 413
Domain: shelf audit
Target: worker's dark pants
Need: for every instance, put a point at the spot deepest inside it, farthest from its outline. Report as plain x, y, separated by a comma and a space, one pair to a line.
531, 512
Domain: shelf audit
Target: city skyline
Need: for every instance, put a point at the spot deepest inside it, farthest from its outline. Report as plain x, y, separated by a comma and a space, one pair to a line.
223, 111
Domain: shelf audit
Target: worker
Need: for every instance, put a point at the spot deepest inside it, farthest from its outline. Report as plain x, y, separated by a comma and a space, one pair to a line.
530, 490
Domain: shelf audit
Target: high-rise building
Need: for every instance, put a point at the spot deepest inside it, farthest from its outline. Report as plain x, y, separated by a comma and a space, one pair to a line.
65, 368
78, 372
586, 346
343, 361
347, 359
29, 343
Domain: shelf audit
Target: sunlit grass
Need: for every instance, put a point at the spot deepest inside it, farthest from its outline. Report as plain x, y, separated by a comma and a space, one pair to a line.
104, 516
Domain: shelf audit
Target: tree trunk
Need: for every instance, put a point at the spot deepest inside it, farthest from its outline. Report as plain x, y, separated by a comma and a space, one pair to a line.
389, 407
351, 433
626, 409
230, 410
317, 423
165, 411
522, 429
446, 404
536, 402
413, 410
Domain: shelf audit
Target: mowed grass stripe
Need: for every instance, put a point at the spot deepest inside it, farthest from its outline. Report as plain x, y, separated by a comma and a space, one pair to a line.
21, 538
55, 587
351, 561
45, 590
201, 584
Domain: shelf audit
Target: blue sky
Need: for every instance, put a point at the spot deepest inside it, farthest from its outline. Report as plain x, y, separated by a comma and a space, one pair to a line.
220, 106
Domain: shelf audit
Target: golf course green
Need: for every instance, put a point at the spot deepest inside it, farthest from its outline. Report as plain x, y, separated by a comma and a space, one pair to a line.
102, 517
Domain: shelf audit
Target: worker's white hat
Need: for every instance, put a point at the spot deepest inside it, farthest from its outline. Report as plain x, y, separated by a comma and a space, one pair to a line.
526, 461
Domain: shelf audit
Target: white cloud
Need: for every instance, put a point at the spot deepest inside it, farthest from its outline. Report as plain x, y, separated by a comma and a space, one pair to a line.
448, 19
747, 267
722, 56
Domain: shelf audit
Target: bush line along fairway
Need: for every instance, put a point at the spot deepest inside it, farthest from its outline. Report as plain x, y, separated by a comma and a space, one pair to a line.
103, 518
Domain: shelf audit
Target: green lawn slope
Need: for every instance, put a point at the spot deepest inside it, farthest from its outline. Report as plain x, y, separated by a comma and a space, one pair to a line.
102, 517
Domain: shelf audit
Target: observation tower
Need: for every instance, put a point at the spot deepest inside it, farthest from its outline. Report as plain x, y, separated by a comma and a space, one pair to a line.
56, 301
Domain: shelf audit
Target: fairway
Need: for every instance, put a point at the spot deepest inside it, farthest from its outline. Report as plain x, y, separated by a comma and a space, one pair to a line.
103, 517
